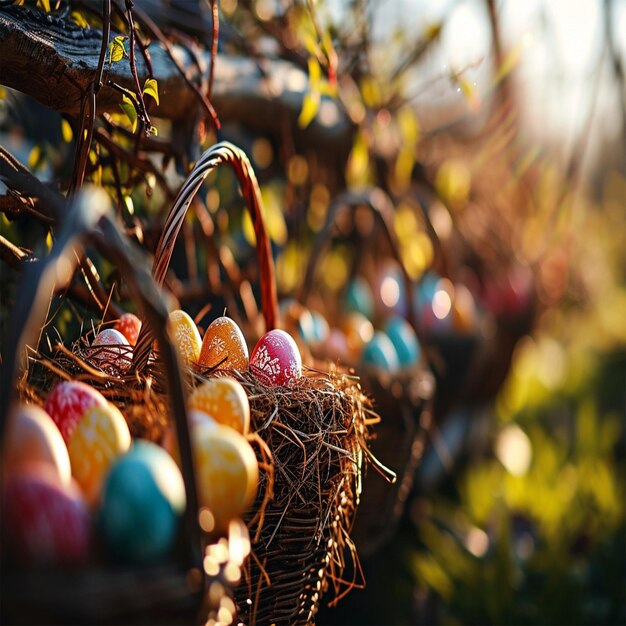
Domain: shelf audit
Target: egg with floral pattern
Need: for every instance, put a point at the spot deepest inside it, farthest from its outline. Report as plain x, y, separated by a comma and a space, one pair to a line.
100, 437
67, 402
227, 472
110, 349
185, 336
224, 346
225, 400
276, 360
129, 325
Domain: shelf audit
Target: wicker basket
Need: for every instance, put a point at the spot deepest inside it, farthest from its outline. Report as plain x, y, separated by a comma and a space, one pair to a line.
315, 431
402, 399
178, 590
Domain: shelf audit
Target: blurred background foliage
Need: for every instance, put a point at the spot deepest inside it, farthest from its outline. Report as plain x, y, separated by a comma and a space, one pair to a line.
507, 120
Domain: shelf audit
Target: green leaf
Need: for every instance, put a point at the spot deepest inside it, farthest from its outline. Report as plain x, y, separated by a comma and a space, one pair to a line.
129, 109
117, 49
151, 88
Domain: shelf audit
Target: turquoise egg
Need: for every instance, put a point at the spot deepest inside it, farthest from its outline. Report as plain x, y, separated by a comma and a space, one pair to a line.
426, 289
359, 298
321, 329
143, 500
404, 340
380, 353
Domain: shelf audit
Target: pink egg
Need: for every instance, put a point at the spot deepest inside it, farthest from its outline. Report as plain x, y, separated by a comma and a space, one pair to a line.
129, 325
110, 349
45, 522
32, 436
68, 402
276, 360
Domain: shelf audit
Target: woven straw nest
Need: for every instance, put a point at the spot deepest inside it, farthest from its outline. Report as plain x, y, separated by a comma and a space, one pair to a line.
311, 440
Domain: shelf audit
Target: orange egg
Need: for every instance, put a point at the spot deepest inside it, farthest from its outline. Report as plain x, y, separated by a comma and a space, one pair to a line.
227, 472
358, 330
185, 335
31, 436
224, 346
129, 325
101, 436
223, 399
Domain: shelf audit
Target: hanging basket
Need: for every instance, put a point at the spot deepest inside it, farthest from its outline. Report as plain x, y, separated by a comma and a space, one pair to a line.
402, 398
315, 431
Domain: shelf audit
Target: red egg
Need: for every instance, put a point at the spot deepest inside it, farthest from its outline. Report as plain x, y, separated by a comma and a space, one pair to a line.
44, 521
276, 360
129, 325
68, 402
111, 349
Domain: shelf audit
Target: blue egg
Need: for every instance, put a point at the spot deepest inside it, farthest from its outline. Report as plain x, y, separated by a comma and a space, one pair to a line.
426, 289
358, 298
380, 353
321, 330
404, 340
143, 500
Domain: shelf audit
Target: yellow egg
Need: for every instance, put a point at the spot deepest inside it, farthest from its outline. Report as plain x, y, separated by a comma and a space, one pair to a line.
31, 436
227, 472
225, 400
185, 335
101, 436
224, 346
169, 442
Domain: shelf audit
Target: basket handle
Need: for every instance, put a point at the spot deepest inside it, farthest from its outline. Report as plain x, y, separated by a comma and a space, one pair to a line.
87, 218
223, 152
381, 207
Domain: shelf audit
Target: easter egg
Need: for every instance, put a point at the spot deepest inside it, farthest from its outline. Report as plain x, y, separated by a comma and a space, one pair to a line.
404, 340
426, 288
224, 346
100, 437
321, 330
358, 297
169, 442
390, 291
67, 402
336, 346
143, 499
276, 360
129, 325
185, 335
32, 436
225, 400
380, 353
463, 309
111, 349
227, 472
358, 330
44, 521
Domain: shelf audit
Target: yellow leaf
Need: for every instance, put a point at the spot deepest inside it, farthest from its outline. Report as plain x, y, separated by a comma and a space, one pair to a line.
130, 207
79, 19
128, 108
151, 88
3, 92
409, 126
310, 107
116, 49
358, 171
470, 93
49, 240
315, 71
66, 131
509, 63
34, 157
44, 4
